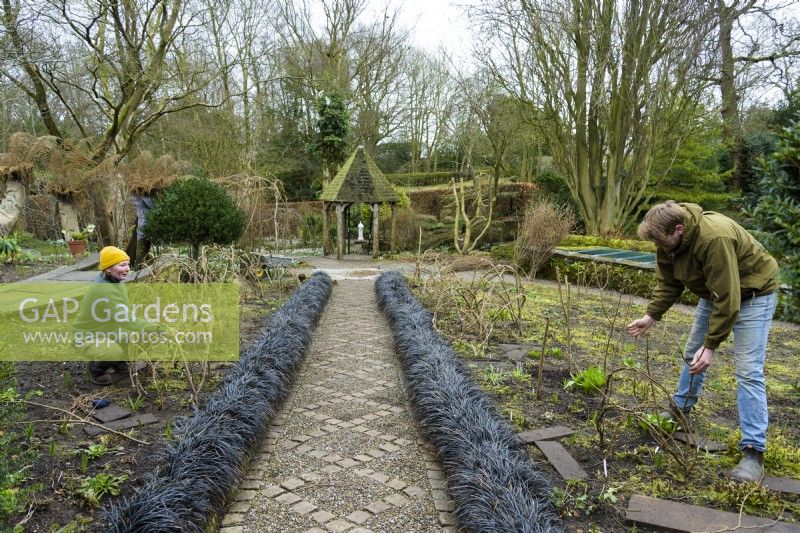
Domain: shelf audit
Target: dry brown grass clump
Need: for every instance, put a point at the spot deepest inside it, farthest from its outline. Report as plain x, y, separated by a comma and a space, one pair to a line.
469, 263
406, 229
542, 228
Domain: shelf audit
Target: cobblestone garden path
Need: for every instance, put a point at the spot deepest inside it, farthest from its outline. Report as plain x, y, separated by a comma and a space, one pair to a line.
344, 454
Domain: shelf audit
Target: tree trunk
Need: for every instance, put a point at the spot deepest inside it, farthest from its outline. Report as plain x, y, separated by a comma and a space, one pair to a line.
326, 232
102, 214
731, 127
376, 215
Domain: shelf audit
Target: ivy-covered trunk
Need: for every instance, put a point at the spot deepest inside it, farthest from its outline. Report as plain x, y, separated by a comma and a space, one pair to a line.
777, 217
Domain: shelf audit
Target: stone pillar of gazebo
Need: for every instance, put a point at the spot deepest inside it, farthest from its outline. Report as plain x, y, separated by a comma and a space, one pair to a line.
376, 215
340, 207
326, 228
392, 241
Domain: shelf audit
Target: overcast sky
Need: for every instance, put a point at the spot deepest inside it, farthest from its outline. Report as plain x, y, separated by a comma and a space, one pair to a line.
434, 23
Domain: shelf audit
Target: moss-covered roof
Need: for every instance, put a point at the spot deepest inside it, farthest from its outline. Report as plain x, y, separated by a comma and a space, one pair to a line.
359, 181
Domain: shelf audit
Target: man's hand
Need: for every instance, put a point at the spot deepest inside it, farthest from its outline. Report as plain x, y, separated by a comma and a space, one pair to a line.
638, 327
701, 361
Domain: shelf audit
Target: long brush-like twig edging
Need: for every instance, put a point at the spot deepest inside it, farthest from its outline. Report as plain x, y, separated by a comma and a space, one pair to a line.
493, 483
213, 446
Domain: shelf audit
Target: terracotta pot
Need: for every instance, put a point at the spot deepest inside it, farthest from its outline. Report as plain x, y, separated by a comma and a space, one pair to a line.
76, 247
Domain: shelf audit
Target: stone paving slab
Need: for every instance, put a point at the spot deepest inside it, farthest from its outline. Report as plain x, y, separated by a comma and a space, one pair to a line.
89, 262
344, 453
665, 515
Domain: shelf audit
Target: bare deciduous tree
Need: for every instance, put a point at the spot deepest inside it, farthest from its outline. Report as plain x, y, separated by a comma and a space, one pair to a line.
115, 68
429, 99
756, 43
362, 60
612, 85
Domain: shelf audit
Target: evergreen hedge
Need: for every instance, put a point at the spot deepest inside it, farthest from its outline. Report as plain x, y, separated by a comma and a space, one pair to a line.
777, 216
421, 179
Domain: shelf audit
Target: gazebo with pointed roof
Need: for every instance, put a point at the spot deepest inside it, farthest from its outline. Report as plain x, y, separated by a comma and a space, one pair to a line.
359, 181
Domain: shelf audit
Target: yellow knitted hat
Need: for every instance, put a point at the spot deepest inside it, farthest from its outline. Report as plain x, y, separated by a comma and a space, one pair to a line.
111, 255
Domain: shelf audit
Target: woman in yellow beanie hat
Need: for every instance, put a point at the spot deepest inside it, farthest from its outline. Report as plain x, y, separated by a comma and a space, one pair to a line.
115, 265
114, 268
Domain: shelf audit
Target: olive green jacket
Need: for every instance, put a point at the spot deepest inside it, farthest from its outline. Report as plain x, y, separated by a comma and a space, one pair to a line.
717, 260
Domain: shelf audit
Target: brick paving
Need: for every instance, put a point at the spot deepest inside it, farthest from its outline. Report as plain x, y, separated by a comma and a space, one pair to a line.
344, 454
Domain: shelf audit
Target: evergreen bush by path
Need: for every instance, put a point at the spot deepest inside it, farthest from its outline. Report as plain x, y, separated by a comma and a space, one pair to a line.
493, 483
212, 448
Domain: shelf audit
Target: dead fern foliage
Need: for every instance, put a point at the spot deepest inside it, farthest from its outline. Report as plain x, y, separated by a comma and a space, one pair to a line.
24, 148
24, 153
73, 171
146, 174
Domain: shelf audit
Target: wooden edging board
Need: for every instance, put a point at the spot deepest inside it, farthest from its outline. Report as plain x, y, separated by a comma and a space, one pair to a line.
665, 515
701, 443
785, 485
562, 461
125, 423
553, 432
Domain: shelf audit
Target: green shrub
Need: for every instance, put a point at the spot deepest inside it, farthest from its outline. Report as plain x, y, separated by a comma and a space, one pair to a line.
310, 229
710, 201
580, 241
195, 211
9, 248
777, 215
503, 252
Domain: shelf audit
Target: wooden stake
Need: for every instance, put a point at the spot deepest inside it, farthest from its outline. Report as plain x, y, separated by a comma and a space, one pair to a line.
541, 359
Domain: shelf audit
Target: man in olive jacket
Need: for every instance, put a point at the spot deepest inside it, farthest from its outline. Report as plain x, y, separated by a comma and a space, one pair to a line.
735, 278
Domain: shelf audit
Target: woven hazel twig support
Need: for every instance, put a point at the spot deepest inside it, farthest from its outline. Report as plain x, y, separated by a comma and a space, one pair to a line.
493, 483
213, 446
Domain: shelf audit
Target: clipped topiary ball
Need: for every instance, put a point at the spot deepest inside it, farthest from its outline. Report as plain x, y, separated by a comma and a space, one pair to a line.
195, 211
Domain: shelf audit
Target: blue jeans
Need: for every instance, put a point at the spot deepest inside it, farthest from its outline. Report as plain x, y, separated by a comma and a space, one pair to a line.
749, 348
